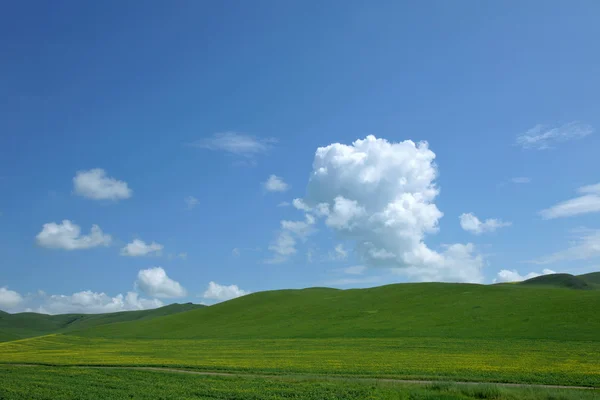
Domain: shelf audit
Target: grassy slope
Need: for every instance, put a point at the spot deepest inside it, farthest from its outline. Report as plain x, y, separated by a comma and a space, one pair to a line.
560, 280
23, 325
593, 277
401, 310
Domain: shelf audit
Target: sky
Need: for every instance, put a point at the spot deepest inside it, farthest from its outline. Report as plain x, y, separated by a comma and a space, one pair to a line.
197, 151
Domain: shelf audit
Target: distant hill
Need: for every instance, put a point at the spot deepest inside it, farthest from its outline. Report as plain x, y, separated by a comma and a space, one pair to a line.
23, 325
400, 310
561, 280
593, 277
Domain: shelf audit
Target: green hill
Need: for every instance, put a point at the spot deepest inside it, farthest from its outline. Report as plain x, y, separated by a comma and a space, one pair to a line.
593, 277
23, 325
560, 280
400, 310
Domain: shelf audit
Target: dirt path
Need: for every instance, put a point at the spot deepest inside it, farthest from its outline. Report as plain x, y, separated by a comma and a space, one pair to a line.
301, 376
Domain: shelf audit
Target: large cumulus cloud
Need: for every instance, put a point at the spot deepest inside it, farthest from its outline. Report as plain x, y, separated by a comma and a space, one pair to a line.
380, 195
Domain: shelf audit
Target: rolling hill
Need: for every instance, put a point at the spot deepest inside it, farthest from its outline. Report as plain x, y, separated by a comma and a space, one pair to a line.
399, 310
23, 325
561, 280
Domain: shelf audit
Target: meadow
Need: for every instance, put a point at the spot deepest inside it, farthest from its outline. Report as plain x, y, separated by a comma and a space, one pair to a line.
36, 383
524, 361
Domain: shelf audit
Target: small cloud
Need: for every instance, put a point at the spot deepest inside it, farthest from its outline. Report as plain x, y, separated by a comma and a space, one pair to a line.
284, 204
542, 137
222, 292
155, 282
235, 252
470, 223
236, 143
191, 202
9, 299
588, 202
513, 276
67, 236
139, 248
521, 180
339, 253
94, 184
275, 184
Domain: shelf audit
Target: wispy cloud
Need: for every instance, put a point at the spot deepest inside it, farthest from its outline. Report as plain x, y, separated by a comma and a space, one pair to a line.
541, 137
191, 202
236, 143
470, 223
588, 202
585, 246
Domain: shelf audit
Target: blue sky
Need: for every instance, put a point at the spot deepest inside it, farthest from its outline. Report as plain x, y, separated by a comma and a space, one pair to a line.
184, 131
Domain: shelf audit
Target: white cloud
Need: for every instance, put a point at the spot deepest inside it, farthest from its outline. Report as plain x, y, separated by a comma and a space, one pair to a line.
339, 253
139, 248
275, 184
541, 137
585, 246
284, 245
191, 202
68, 236
506, 275
355, 270
94, 184
470, 223
521, 179
589, 202
380, 195
236, 143
89, 302
222, 292
9, 299
155, 282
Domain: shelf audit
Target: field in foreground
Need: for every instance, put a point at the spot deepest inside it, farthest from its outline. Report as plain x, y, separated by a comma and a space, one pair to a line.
523, 361
34, 383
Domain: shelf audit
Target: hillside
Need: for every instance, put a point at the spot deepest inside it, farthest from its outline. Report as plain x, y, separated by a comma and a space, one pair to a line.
593, 277
399, 310
23, 325
560, 280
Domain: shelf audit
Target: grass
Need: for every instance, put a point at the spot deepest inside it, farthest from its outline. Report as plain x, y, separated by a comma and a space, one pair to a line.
485, 360
36, 383
23, 325
403, 310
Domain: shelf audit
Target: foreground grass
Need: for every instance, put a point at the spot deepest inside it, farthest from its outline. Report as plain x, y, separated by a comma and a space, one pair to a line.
520, 361
34, 383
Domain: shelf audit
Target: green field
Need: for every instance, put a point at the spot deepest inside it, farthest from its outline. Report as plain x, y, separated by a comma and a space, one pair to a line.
526, 361
544, 331
36, 383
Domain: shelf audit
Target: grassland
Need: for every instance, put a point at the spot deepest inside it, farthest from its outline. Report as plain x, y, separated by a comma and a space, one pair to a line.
541, 332
36, 383
458, 311
23, 325
516, 360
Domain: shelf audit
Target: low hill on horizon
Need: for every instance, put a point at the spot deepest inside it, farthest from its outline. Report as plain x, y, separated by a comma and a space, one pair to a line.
29, 324
398, 310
